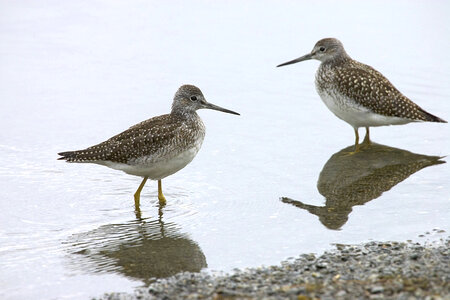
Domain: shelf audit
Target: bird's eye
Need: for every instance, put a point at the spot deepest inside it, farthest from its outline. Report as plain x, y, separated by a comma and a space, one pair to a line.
194, 98
322, 49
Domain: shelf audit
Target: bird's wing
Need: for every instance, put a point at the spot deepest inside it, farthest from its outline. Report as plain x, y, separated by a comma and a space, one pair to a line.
369, 88
143, 139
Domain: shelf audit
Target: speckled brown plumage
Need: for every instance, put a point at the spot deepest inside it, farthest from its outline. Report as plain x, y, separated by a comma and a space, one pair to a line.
359, 94
157, 147
370, 89
161, 136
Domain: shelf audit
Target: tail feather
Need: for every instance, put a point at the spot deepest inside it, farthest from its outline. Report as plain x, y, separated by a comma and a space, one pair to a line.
76, 156
431, 118
69, 156
95, 153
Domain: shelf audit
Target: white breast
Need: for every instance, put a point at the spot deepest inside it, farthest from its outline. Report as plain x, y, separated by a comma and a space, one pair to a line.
161, 168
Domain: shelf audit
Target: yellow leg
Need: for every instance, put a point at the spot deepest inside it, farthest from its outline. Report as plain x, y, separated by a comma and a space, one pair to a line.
137, 195
162, 199
356, 143
367, 138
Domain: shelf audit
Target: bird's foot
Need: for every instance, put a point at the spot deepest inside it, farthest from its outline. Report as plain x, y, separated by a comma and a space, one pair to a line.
137, 208
357, 149
162, 199
366, 143
365, 146
350, 153
137, 213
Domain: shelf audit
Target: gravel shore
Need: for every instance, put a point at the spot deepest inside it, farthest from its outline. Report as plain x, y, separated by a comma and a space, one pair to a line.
376, 270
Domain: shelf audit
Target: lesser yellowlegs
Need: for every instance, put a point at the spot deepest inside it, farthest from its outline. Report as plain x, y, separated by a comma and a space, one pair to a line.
357, 93
157, 147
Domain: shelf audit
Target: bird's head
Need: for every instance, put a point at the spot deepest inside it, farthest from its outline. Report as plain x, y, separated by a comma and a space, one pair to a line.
325, 50
190, 98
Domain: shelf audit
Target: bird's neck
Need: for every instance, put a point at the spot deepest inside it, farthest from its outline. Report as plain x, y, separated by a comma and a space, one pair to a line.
340, 59
184, 114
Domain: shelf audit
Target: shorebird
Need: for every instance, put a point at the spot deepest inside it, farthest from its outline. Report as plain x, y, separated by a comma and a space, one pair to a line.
359, 94
157, 147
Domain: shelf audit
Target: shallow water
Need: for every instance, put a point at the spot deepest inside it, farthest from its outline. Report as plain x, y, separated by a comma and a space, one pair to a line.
268, 185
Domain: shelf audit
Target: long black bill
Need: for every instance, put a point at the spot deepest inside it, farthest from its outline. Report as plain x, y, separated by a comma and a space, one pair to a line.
304, 57
215, 107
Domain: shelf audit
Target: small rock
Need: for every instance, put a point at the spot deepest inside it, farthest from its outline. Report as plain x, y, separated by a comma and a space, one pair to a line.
414, 256
376, 270
377, 289
373, 277
321, 265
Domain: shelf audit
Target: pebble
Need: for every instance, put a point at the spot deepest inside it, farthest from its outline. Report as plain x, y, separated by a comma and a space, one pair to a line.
376, 270
376, 289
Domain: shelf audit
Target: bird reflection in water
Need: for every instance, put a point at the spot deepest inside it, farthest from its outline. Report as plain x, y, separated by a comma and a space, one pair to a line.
349, 180
140, 249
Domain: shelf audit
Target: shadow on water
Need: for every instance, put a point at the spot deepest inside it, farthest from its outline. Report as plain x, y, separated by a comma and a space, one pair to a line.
142, 249
349, 180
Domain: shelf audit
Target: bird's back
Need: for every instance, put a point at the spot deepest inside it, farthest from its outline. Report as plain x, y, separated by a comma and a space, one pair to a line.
154, 139
368, 88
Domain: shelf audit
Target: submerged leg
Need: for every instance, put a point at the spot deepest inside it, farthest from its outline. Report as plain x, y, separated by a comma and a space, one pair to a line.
137, 195
162, 199
367, 138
